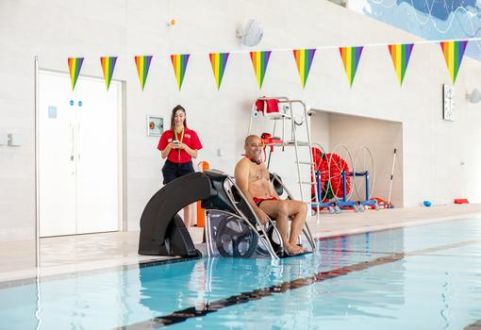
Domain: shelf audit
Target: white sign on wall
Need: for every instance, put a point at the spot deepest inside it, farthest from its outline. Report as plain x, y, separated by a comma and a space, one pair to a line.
448, 103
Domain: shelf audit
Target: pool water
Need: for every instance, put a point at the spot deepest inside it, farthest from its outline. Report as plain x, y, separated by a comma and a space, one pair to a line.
423, 277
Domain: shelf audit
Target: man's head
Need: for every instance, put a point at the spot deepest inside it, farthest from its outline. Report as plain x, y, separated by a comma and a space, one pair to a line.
253, 148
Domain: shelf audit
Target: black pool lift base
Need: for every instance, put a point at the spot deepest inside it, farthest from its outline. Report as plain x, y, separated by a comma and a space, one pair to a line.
163, 233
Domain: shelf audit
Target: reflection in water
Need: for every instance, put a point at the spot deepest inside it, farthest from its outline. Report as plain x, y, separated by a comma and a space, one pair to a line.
445, 312
321, 284
418, 277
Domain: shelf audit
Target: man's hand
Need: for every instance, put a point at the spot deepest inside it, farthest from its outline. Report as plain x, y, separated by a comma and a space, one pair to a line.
263, 217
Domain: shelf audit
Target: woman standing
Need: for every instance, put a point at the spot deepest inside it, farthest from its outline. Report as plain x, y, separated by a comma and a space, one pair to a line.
179, 145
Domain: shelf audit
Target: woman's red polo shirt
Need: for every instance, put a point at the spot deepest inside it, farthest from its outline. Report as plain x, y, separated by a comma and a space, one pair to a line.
177, 155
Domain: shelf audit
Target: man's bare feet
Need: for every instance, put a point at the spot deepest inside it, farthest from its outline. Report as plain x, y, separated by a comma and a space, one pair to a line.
293, 249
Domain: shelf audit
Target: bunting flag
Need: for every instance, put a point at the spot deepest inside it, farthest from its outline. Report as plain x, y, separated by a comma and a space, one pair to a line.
260, 60
350, 58
218, 62
400, 55
453, 54
143, 65
179, 63
108, 66
304, 59
74, 66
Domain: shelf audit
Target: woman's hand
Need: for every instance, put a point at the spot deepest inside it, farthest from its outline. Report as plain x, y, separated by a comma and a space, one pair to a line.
175, 145
164, 153
181, 145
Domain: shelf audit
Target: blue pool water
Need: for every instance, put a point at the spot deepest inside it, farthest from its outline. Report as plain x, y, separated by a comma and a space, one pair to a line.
423, 277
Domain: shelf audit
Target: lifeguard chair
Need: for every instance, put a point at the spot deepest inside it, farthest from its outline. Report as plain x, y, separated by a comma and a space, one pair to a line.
281, 109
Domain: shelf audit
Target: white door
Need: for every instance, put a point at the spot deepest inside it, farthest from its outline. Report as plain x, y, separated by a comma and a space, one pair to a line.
78, 155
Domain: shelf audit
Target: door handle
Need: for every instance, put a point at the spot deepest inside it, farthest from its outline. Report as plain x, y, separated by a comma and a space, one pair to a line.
72, 140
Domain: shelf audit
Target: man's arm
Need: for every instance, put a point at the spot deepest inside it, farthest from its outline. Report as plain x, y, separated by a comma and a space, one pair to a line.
241, 174
272, 190
242, 180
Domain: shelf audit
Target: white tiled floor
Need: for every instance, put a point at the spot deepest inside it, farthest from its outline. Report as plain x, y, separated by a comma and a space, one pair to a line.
69, 254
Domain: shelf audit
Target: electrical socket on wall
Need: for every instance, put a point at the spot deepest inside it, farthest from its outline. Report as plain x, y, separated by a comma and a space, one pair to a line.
13, 139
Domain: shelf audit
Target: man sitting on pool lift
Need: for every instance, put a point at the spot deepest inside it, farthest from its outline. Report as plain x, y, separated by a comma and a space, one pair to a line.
252, 177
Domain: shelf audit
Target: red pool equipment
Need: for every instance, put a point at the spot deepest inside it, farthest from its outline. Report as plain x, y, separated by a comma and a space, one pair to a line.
337, 165
330, 166
267, 106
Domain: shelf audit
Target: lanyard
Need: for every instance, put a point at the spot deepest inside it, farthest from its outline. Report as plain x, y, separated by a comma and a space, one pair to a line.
181, 140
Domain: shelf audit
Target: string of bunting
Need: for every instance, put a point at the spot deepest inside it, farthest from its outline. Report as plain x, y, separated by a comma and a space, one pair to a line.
453, 52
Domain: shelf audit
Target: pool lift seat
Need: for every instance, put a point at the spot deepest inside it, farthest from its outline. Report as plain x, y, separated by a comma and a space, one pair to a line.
232, 227
235, 231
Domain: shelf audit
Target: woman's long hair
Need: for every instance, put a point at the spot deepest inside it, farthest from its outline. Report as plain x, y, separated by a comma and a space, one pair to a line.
174, 110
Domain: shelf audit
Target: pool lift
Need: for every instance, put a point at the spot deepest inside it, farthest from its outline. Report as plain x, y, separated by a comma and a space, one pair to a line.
233, 229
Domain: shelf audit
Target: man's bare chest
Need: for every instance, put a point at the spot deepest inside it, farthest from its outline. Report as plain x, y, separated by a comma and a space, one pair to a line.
257, 173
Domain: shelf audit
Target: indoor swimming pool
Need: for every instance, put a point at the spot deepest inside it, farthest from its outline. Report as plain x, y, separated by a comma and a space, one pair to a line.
421, 277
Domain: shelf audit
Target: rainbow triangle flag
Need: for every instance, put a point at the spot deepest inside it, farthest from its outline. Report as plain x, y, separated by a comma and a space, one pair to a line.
350, 58
304, 59
218, 62
179, 63
453, 54
74, 66
108, 66
143, 65
260, 60
400, 55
